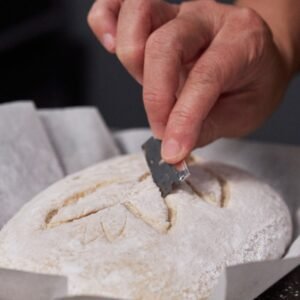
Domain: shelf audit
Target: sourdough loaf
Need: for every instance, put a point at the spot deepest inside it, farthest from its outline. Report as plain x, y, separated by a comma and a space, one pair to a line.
108, 229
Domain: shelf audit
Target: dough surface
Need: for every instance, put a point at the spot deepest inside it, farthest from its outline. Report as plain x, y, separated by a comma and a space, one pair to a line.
108, 229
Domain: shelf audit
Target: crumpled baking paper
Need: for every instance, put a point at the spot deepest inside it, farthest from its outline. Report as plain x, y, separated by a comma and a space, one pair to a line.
79, 137
28, 163
39, 147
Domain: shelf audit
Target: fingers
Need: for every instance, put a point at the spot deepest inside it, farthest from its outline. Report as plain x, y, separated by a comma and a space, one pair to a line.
167, 50
137, 19
102, 19
213, 73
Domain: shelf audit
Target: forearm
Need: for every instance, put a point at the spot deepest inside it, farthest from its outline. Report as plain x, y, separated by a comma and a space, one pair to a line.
283, 18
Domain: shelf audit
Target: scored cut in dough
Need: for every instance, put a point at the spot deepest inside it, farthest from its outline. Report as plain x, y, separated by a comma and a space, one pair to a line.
108, 230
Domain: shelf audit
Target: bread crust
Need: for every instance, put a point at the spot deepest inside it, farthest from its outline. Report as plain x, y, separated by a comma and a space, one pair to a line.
108, 229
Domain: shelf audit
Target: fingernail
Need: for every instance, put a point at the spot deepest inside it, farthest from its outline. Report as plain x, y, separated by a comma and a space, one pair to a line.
108, 41
171, 149
158, 129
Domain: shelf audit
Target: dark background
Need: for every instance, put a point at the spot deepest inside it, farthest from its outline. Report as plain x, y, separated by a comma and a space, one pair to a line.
48, 54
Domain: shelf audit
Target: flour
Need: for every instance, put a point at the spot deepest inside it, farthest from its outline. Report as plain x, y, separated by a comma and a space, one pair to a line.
108, 230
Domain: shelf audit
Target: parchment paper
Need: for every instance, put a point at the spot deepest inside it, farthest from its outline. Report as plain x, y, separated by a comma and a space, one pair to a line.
27, 161
38, 148
79, 137
18, 285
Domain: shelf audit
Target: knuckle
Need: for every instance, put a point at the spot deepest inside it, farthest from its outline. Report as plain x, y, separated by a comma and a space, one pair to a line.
249, 16
129, 55
247, 19
96, 14
152, 99
90, 19
255, 24
208, 75
185, 7
156, 104
203, 4
161, 42
254, 33
154, 42
93, 17
153, 105
142, 6
255, 49
182, 118
257, 42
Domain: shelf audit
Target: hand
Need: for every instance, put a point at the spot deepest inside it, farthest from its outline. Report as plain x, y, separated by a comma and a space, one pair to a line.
208, 70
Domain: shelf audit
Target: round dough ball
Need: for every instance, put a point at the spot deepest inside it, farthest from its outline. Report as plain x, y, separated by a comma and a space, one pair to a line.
108, 230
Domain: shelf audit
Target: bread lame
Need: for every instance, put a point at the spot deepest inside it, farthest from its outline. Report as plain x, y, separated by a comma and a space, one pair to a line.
165, 176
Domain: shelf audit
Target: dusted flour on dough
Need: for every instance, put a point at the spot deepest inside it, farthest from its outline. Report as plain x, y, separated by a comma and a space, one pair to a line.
109, 230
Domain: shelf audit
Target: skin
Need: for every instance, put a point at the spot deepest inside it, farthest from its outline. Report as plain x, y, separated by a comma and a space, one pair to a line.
208, 70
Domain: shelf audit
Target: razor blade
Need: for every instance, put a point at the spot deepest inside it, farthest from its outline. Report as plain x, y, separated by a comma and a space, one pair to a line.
165, 176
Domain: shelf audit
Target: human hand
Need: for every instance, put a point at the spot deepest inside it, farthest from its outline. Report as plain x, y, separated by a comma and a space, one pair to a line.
208, 70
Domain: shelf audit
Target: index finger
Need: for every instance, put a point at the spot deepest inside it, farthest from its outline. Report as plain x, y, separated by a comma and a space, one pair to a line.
216, 69
167, 50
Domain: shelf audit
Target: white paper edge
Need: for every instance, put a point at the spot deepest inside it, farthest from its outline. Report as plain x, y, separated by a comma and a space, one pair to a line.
243, 282
235, 283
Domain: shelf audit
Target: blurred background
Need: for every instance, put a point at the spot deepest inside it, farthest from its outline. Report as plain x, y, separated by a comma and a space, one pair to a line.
48, 54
